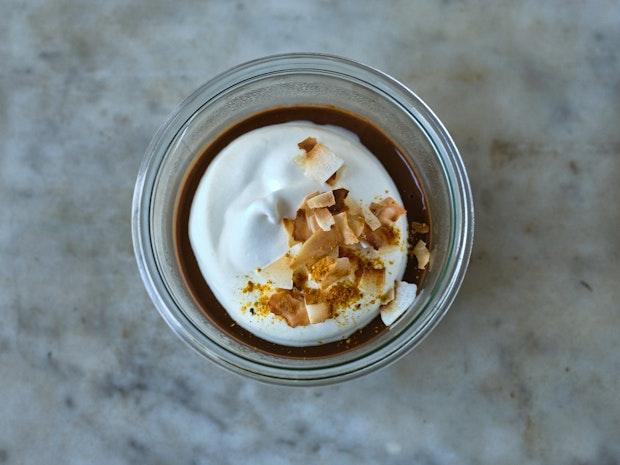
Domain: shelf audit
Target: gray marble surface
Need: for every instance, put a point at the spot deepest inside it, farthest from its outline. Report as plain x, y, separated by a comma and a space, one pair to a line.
525, 368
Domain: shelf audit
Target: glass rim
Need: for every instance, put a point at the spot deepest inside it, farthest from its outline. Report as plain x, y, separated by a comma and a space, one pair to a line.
453, 171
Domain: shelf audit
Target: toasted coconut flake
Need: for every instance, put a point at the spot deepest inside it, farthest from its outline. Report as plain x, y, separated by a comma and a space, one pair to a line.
340, 269
319, 312
343, 228
307, 144
356, 216
371, 220
356, 223
313, 224
380, 237
354, 258
324, 218
388, 210
304, 202
300, 277
421, 228
333, 254
353, 207
340, 196
320, 244
422, 253
283, 303
320, 163
301, 231
342, 294
404, 297
289, 226
371, 282
279, 273
326, 199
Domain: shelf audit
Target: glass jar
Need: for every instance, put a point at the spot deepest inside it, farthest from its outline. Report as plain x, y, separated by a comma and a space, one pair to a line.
288, 80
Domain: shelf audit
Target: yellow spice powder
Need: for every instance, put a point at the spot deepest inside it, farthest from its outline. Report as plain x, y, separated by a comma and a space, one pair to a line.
342, 295
321, 268
260, 306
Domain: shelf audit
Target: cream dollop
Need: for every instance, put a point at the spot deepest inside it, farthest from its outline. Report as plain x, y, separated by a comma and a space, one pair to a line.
236, 217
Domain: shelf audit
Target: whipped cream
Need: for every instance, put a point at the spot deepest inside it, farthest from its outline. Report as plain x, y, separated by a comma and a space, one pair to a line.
235, 224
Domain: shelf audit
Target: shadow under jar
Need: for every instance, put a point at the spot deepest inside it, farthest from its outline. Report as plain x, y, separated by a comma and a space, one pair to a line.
425, 166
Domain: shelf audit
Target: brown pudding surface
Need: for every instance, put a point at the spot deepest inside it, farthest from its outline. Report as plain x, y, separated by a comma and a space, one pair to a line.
375, 140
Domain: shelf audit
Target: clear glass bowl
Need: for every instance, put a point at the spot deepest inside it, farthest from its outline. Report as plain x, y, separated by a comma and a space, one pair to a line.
287, 80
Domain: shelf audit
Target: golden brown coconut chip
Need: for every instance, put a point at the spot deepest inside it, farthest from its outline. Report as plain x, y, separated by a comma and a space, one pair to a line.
356, 223
343, 228
387, 211
300, 277
340, 196
307, 144
301, 231
371, 220
341, 268
313, 224
422, 254
306, 198
371, 282
324, 218
289, 226
292, 309
320, 244
379, 238
319, 312
355, 216
405, 295
320, 163
353, 207
326, 199
421, 228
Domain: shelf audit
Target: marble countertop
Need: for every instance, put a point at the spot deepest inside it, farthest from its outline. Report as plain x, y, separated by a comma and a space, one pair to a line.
524, 369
